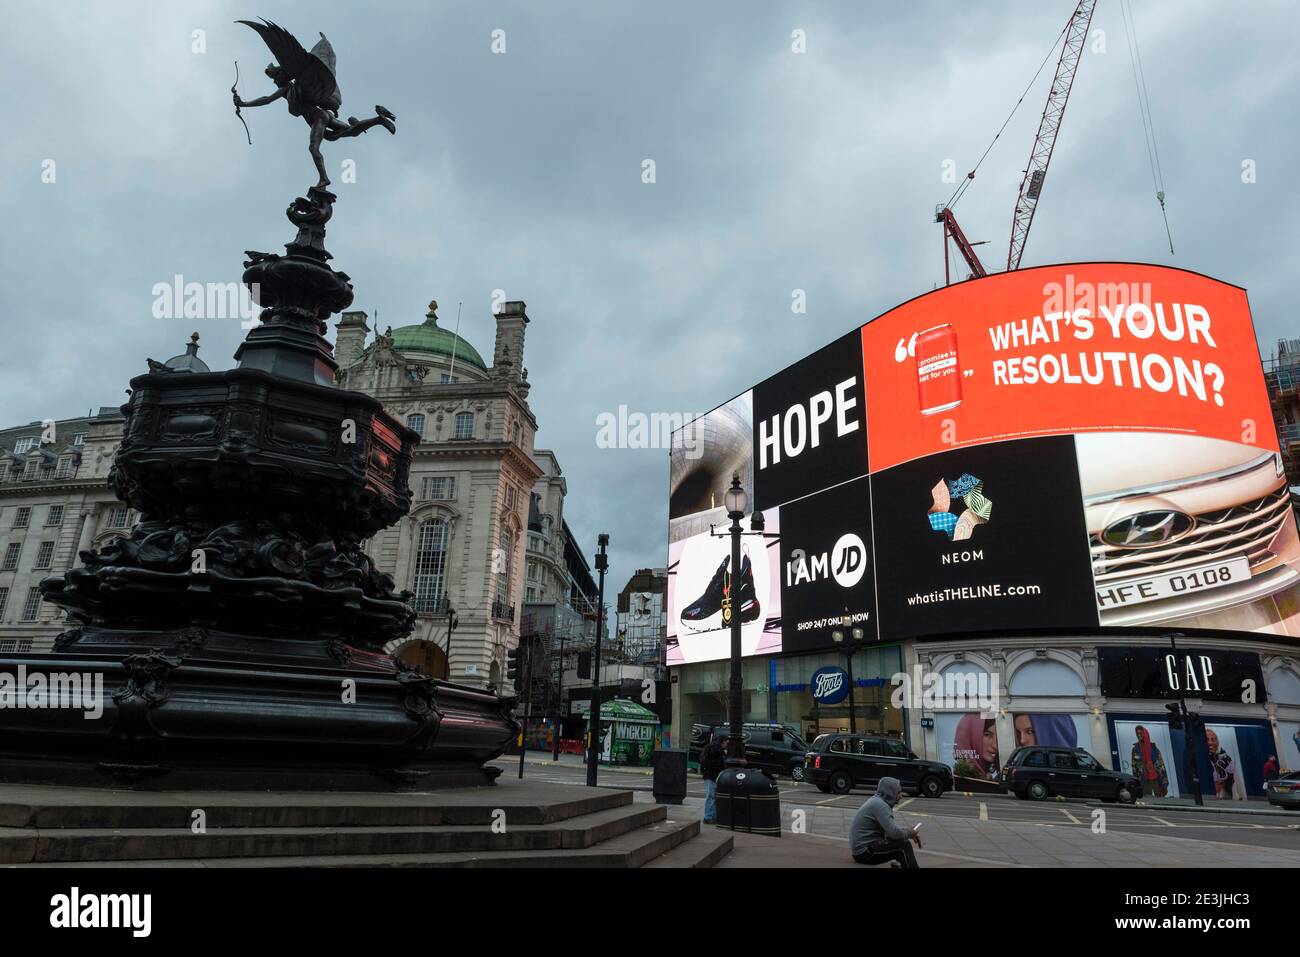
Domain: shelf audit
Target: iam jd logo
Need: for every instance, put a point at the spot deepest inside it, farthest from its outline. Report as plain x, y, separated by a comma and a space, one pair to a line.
830, 685
846, 562
958, 507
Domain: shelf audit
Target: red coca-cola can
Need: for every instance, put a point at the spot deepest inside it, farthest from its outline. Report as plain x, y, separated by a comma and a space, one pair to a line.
938, 370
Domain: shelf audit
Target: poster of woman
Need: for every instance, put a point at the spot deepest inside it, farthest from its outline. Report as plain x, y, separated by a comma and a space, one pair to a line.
1148, 765
1144, 750
1228, 782
1048, 730
975, 747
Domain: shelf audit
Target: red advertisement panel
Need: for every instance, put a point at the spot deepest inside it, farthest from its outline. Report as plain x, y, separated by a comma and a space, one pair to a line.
1091, 347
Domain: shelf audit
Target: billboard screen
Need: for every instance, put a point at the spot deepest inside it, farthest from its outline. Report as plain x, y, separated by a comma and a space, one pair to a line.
1060, 447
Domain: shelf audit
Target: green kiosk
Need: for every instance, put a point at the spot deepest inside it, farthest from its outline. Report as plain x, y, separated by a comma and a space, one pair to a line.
627, 732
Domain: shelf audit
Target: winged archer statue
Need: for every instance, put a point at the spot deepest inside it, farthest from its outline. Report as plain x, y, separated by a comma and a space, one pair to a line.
305, 80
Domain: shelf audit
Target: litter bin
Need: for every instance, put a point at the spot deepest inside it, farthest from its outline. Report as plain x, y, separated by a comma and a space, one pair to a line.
749, 800
670, 776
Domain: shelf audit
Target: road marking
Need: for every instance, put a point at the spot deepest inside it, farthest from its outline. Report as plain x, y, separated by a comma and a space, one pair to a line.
1163, 821
984, 811
904, 803
1073, 819
831, 800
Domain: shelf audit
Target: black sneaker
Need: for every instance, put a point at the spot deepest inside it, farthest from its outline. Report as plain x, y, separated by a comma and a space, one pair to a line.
710, 603
746, 598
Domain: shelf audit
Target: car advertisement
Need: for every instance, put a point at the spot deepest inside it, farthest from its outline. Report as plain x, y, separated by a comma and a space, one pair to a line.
1066, 446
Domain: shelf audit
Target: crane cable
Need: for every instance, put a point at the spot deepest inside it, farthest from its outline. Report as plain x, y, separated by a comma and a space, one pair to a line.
1144, 108
961, 188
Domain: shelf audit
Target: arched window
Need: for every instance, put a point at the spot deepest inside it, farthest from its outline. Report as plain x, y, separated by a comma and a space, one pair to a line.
465, 425
430, 565
1044, 677
415, 422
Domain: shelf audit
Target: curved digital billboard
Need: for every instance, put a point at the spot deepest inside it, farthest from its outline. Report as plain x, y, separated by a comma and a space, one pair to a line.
1059, 447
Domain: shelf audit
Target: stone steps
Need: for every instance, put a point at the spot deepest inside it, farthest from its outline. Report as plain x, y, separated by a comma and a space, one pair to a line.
705, 850
544, 826
637, 848
85, 808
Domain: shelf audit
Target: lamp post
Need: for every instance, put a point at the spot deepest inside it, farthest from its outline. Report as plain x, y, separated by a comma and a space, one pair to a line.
593, 723
559, 704
855, 635
1189, 749
735, 501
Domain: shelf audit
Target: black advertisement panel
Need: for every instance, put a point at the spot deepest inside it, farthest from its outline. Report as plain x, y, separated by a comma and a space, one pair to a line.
1207, 673
984, 537
810, 425
827, 579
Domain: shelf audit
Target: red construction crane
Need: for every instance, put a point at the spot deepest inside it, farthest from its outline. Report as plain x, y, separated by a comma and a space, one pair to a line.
1031, 186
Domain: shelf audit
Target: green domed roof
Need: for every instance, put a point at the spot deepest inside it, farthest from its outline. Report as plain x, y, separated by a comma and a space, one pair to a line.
428, 338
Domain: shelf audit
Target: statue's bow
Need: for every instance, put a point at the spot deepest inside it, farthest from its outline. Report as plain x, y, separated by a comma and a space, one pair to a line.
234, 89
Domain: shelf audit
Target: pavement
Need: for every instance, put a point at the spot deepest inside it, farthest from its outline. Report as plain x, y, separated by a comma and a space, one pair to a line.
990, 830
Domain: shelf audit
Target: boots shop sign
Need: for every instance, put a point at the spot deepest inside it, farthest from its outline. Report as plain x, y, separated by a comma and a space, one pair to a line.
1060, 447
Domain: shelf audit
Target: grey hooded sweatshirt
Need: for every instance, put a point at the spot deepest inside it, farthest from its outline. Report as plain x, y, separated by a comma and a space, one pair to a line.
875, 819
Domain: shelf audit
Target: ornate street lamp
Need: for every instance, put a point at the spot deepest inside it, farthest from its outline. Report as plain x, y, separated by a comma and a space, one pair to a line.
855, 636
735, 501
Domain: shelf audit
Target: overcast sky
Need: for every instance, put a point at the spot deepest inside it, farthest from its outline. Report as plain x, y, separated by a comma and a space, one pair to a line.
522, 171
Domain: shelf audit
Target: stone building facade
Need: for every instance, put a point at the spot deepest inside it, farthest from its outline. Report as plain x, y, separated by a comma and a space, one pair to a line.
460, 550
54, 502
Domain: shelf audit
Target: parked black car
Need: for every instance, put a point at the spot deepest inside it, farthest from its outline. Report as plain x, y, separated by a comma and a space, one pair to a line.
842, 762
1037, 773
769, 747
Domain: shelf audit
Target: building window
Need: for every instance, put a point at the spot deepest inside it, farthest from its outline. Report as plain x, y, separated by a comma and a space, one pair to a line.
65, 467
29, 470
465, 425
438, 488
22, 517
26, 444
78, 438
117, 519
430, 565
4, 601
505, 545
511, 498
446, 379
4, 471
534, 572
415, 422
516, 432
12, 553
531, 593
11, 645
55, 515
44, 555
32, 607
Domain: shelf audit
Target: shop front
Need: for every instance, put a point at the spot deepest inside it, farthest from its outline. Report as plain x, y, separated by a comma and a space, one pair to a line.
1226, 689
1111, 695
811, 693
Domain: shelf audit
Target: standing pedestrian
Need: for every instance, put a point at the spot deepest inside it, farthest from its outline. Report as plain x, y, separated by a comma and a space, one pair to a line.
874, 835
713, 761
1270, 769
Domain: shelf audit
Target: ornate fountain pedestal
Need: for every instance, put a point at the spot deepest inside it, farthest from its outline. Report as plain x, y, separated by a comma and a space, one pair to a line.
238, 629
